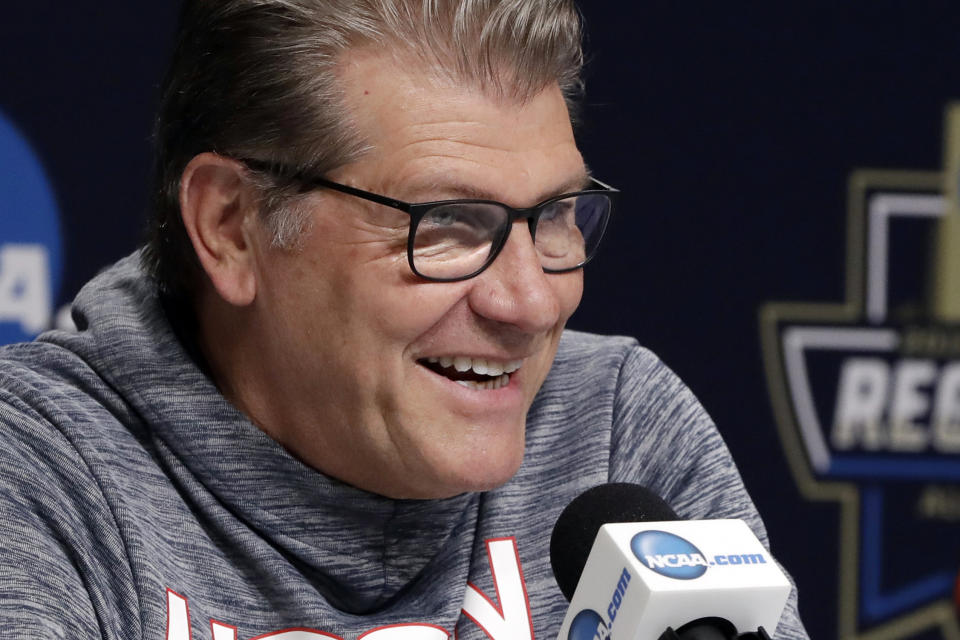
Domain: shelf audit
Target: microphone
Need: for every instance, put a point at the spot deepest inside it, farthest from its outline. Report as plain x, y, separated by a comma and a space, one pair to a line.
633, 571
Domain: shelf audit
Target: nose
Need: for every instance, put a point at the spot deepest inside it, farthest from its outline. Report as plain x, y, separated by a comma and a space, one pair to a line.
514, 289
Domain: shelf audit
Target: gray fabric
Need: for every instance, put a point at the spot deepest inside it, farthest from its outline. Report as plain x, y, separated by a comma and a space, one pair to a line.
125, 474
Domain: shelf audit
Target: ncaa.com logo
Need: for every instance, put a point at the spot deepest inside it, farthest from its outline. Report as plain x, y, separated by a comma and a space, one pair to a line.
675, 557
590, 625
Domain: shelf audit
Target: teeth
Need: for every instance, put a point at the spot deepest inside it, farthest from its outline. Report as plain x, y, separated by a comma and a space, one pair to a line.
480, 366
488, 385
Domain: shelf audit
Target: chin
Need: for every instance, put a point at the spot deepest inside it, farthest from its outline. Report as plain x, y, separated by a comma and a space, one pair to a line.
484, 473
456, 456
472, 472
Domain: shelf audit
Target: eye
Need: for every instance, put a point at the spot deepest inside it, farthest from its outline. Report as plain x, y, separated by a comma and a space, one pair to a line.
443, 216
461, 223
561, 213
455, 239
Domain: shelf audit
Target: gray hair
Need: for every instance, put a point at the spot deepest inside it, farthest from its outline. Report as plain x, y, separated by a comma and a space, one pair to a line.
257, 79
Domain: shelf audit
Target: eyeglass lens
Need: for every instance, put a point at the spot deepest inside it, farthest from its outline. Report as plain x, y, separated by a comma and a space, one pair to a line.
458, 239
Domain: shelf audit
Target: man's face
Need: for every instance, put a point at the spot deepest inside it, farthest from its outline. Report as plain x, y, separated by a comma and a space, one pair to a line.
353, 344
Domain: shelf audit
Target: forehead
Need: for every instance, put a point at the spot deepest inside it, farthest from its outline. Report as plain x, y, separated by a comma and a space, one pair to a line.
425, 131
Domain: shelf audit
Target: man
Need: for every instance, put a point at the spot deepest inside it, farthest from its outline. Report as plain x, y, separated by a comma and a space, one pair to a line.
311, 409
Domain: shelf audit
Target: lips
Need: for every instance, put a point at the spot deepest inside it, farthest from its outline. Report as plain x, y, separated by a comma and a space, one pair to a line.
473, 373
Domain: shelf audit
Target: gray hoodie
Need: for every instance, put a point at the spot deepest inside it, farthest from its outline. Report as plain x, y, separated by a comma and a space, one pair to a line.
137, 502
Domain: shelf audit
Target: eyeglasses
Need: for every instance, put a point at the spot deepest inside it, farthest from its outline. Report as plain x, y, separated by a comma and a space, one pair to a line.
452, 240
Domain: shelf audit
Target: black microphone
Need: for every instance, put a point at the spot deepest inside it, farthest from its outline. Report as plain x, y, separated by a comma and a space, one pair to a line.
579, 522
634, 571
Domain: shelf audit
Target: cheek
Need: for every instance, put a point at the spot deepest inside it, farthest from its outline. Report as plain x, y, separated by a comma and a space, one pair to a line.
568, 288
385, 311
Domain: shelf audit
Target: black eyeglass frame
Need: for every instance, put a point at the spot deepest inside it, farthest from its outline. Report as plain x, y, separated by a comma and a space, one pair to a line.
418, 210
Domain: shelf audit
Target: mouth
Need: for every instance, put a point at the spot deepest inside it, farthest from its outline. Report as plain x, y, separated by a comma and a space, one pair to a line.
479, 374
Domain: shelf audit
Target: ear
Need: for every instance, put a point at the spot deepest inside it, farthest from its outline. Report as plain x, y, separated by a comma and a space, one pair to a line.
219, 212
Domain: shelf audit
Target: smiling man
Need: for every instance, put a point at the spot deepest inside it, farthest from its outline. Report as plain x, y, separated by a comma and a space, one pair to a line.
344, 354
333, 396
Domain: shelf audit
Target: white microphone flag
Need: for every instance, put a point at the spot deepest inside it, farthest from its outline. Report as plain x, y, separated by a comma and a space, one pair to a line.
641, 578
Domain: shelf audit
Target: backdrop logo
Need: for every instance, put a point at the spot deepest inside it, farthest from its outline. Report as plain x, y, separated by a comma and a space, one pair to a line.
669, 555
867, 400
30, 250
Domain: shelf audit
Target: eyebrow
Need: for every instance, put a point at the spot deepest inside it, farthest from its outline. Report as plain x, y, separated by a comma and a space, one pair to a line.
467, 191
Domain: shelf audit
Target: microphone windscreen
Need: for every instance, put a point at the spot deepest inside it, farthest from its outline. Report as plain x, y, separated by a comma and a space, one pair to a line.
578, 524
